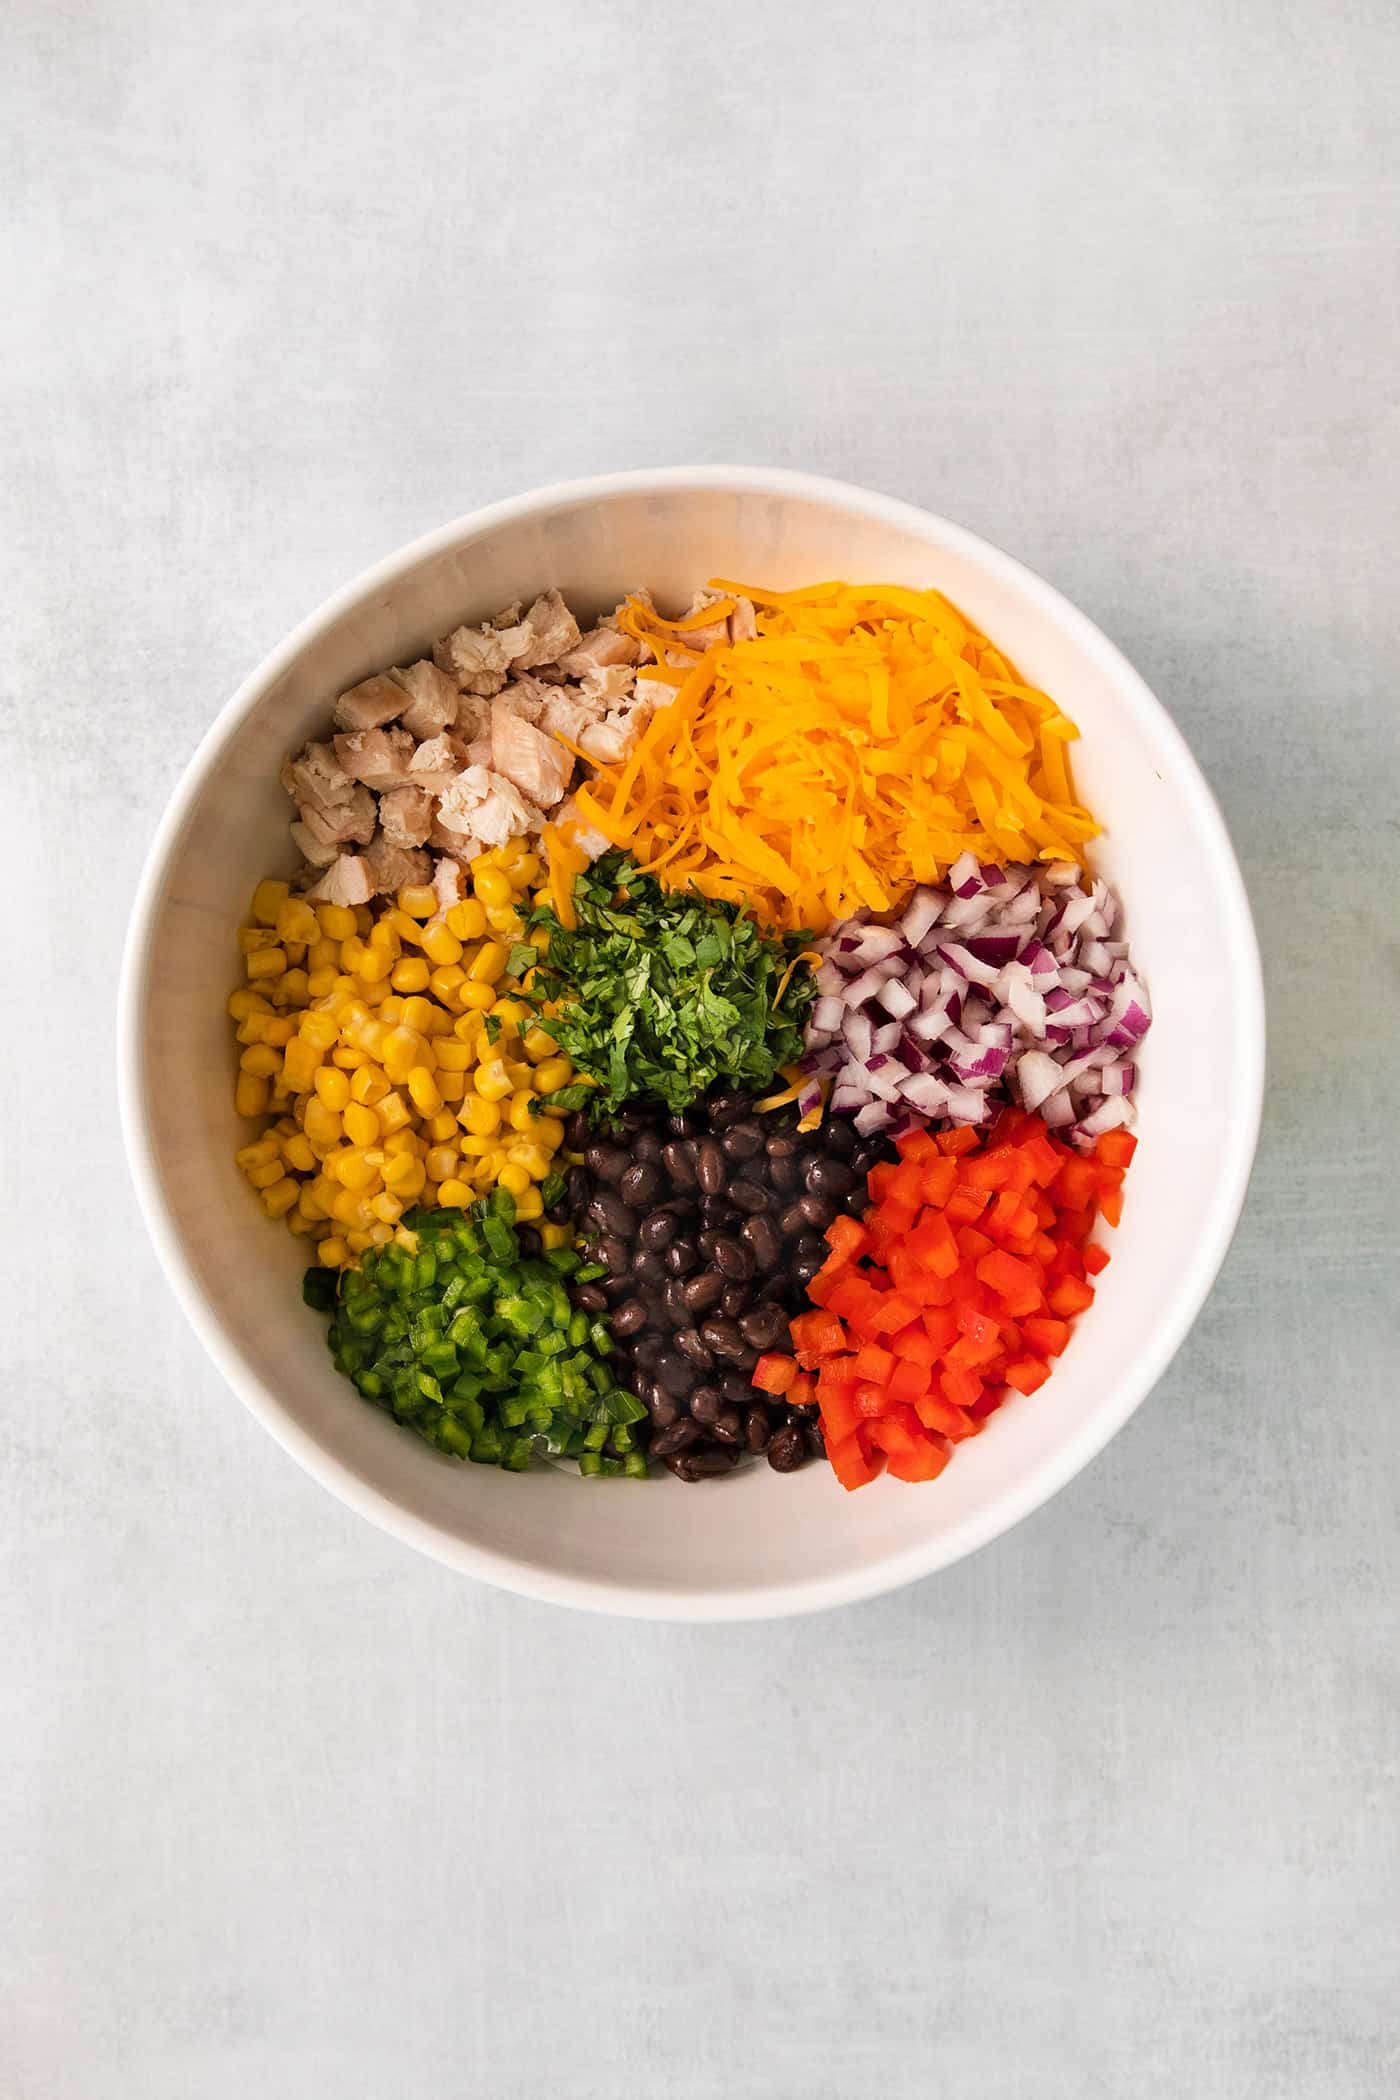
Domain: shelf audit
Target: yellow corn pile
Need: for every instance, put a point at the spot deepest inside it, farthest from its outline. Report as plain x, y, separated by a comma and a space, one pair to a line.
367, 1035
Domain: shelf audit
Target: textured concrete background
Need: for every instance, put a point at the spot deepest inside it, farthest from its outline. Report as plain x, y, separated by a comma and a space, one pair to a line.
1109, 1809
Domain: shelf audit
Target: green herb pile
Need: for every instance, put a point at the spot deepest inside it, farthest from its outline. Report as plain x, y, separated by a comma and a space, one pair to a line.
477, 1347
663, 992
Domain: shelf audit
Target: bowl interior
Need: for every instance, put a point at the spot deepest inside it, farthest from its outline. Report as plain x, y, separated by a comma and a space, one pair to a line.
752, 1542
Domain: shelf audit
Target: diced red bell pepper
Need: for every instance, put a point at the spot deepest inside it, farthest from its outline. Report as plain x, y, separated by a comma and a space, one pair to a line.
956, 1142
908, 1381
979, 1325
1014, 1281
1042, 1158
969, 1355
964, 1205
1027, 1374
773, 1374
1046, 1336
917, 1145
874, 1363
853, 1295
940, 1178
1070, 1297
1116, 1148
877, 1181
1096, 1258
941, 1326
870, 1401
850, 1463
972, 1244
895, 1311
1111, 1204
847, 1238
943, 1418
963, 1388
914, 1345
840, 1415
933, 1246
925, 1462
1077, 1185
803, 1390
818, 1333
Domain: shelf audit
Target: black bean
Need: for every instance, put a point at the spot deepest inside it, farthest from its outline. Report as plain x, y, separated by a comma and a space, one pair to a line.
732, 1258
818, 1211
529, 1241
728, 1426
710, 1169
615, 1254
704, 1291
782, 1144
735, 1300
764, 1326
763, 1239
708, 1460
715, 1212
706, 1244
606, 1162
577, 1134
648, 1269
676, 1438
681, 1257
725, 1109
793, 1221
673, 1299
630, 1318
748, 1197
724, 1338
757, 1428
678, 1158
864, 1158
705, 1403
785, 1452
678, 1462
683, 1126
805, 1267
675, 1373
829, 1177
640, 1185
816, 1442
785, 1175
694, 1348
663, 1407
736, 1388
646, 1145
839, 1137
647, 1351
616, 1288
578, 1187
657, 1232
743, 1140
590, 1299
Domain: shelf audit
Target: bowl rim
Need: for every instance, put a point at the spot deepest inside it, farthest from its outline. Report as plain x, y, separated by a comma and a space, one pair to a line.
621, 1598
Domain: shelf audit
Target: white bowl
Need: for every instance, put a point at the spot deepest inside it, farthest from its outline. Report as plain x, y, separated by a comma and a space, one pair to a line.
753, 1544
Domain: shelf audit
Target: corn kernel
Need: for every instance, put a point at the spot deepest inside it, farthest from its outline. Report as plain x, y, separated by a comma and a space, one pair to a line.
268, 899
487, 966
258, 1155
553, 1073
529, 1206
299, 1065
322, 1125
312, 1208
260, 1060
446, 982
386, 1207
507, 923
265, 1173
384, 935
357, 1170
418, 901
442, 1126
554, 1236
296, 921
526, 872
333, 1251
298, 1153
362, 1125
320, 1030
348, 1059
404, 1144
511, 1013
547, 1131
394, 1113
359, 1242
453, 1056
278, 1199
332, 1087
404, 1175
491, 885
417, 1014
467, 920
244, 1003
441, 1161
321, 981
475, 1147
265, 962
480, 1115
423, 1092
476, 998
352, 1208
278, 1031
518, 1114
492, 1080
411, 975
322, 954
403, 1049
441, 945
368, 1086
451, 1085
538, 1046
374, 965
337, 921
514, 1178
455, 1195
533, 1158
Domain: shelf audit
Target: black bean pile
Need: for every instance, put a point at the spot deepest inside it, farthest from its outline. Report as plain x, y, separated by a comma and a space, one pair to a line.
710, 1227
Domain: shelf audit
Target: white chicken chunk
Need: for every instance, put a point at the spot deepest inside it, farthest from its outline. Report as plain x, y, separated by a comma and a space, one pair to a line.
477, 658
598, 651
549, 630
614, 738
575, 830
448, 885
608, 683
534, 762
346, 823
346, 881
527, 696
316, 776
433, 700
406, 816
393, 868
457, 844
311, 849
568, 713
368, 705
483, 806
743, 625
376, 757
437, 763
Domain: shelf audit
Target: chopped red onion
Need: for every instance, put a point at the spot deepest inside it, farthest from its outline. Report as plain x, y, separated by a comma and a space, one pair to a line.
1002, 985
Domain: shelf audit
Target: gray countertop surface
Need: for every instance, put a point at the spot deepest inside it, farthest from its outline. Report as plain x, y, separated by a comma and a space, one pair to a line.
1108, 1809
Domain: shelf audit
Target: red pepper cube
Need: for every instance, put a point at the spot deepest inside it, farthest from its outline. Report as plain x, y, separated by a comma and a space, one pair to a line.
978, 1326
990, 1170
1111, 1204
1115, 1148
1070, 1296
1096, 1258
917, 1145
965, 1205
1014, 1281
1045, 1336
908, 1382
847, 1238
1027, 1374
773, 1374
1043, 1158
962, 1388
956, 1142
914, 1345
896, 1310
943, 1418
1077, 1184
969, 1355
874, 1363
925, 1462
941, 1326
869, 1400
933, 1245
840, 1415
938, 1180
853, 1467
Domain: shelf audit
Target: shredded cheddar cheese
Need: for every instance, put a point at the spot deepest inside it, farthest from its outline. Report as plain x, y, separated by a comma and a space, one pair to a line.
863, 739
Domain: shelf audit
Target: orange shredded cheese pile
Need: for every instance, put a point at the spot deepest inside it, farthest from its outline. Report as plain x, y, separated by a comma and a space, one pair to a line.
862, 740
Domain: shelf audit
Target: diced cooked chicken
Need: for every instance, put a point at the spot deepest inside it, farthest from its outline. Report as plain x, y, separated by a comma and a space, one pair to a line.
476, 657
534, 762
526, 695
568, 713
448, 886
575, 830
483, 805
392, 868
346, 881
316, 775
346, 823
550, 631
433, 699
368, 705
310, 847
705, 637
598, 650
377, 757
743, 626
616, 735
608, 684
458, 844
406, 816
436, 763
